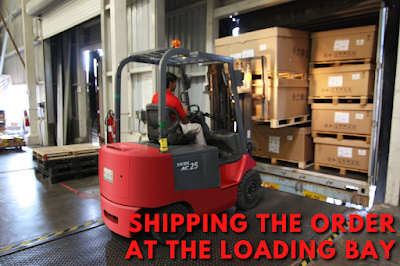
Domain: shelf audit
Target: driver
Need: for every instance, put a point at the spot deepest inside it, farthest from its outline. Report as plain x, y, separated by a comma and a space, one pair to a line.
173, 102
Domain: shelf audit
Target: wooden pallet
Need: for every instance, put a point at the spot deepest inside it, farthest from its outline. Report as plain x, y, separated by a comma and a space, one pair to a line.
362, 100
287, 75
284, 122
63, 152
341, 136
317, 167
65, 160
336, 63
51, 153
67, 171
300, 164
83, 149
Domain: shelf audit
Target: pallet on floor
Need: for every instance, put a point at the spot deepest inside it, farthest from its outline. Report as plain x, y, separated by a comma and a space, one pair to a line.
65, 160
64, 152
342, 170
335, 100
67, 171
51, 153
284, 122
83, 149
341, 136
300, 164
11, 141
336, 63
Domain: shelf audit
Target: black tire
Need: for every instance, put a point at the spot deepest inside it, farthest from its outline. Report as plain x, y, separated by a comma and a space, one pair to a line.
249, 190
162, 237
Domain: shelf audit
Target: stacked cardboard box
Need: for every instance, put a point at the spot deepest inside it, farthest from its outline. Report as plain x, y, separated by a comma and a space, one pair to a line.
291, 144
341, 90
281, 96
279, 57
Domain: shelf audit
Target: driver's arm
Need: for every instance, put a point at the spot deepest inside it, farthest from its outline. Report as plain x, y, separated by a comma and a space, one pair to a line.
185, 120
181, 112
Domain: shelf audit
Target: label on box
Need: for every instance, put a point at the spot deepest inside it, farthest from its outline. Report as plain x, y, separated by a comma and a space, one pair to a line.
289, 137
360, 116
248, 53
335, 81
274, 144
237, 56
355, 76
362, 152
360, 42
263, 47
342, 117
345, 152
341, 45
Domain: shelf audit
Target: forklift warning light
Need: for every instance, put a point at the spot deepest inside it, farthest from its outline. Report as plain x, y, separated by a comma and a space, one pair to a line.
291, 223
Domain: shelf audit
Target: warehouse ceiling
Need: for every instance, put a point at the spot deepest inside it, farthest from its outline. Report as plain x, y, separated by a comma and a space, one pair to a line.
307, 15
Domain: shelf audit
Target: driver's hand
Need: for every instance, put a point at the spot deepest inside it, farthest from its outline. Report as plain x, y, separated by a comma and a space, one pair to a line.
186, 109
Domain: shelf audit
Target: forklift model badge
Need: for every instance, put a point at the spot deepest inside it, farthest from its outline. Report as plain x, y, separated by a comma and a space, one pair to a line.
187, 166
108, 175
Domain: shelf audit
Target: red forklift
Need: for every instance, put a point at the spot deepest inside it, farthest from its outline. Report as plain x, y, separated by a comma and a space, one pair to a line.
168, 173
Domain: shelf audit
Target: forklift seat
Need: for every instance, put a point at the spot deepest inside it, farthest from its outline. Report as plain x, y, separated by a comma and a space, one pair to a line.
175, 135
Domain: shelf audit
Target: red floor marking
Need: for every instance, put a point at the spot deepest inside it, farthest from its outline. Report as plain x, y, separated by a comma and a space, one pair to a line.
77, 192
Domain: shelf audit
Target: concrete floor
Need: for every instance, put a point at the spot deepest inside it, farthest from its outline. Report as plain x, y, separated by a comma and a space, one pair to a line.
31, 208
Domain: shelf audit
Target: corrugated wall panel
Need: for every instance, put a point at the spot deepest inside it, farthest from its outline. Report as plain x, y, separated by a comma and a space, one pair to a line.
141, 23
69, 14
14, 68
190, 28
172, 5
141, 13
16, 31
38, 50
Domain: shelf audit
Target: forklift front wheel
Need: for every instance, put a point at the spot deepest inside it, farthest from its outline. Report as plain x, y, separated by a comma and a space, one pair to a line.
162, 237
249, 190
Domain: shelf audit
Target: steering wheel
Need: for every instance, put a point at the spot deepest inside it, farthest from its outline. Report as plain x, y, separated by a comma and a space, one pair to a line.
175, 123
194, 114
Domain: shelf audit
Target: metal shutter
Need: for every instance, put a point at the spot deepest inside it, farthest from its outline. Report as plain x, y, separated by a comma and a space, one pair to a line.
69, 14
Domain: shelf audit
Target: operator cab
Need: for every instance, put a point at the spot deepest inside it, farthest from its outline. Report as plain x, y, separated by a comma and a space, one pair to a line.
227, 143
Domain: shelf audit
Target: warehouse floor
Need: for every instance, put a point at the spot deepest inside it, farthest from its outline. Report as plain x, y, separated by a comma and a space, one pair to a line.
59, 224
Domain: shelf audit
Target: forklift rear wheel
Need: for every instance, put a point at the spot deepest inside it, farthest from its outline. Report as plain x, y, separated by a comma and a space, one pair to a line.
249, 190
162, 237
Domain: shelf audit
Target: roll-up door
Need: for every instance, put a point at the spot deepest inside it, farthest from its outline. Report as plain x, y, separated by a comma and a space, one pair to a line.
67, 15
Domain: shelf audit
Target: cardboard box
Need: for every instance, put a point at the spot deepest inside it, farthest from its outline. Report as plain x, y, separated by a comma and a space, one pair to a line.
280, 102
349, 154
284, 49
2, 114
289, 143
343, 118
351, 43
348, 80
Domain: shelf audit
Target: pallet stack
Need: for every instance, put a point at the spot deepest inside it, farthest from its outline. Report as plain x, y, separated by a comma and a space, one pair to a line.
8, 141
279, 59
342, 71
66, 162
